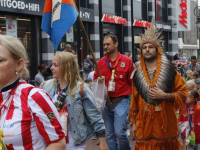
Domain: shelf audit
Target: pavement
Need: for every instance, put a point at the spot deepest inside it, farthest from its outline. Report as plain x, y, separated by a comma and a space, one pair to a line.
92, 144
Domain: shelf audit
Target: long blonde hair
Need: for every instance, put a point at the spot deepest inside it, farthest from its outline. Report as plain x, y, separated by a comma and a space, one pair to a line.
68, 66
17, 50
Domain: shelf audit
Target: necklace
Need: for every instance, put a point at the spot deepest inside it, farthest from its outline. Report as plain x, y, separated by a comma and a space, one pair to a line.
151, 75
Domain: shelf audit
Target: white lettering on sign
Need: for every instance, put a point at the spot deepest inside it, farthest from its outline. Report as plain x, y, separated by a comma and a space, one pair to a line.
167, 27
19, 5
141, 23
113, 19
56, 11
86, 15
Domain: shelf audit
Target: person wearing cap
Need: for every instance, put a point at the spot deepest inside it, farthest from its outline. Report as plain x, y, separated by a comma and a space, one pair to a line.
157, 92
89, 82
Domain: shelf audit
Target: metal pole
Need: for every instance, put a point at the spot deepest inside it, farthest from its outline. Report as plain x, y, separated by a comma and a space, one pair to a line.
91, 51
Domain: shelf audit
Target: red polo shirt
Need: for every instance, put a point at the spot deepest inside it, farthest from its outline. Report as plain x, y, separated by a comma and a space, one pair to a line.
122, 74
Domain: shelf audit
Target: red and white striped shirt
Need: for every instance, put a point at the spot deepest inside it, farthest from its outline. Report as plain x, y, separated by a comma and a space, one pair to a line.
32, 120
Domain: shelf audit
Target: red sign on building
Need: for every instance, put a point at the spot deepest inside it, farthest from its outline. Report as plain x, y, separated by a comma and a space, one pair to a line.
142, 23
183, 15
113, 19
0, 31
180, 62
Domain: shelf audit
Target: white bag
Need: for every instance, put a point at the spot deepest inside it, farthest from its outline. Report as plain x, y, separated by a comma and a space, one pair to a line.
100, 93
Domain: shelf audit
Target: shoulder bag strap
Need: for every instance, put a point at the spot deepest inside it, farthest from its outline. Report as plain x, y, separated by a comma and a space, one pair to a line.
81, 90
43, 84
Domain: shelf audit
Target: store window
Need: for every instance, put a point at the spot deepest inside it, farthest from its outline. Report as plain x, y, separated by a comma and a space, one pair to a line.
140, 9
84, 3
70, 38
112, 7
161, 10
19, 27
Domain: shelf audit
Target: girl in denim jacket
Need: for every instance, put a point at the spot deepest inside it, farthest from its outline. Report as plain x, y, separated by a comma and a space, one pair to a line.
81, 118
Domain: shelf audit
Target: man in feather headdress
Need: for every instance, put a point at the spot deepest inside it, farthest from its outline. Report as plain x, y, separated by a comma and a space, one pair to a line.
157, 92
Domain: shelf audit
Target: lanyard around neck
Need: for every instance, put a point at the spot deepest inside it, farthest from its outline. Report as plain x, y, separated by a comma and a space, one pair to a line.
190, 118
110, 66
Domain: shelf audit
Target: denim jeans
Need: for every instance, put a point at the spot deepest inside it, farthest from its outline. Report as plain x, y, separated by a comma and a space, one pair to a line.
115, 121
197, 147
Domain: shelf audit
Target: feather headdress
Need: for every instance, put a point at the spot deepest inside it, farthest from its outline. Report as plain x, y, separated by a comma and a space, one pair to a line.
152, 35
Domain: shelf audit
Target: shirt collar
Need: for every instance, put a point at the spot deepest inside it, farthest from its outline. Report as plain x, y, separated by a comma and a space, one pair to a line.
10, 86
118, 57
194, 108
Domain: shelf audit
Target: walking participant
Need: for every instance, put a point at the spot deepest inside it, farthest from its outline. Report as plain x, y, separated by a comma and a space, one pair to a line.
157, 92
193, 117
81, 119
28, 118
117, 69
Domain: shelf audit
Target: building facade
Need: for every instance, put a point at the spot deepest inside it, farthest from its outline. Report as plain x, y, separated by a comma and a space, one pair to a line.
188, 41
125, 18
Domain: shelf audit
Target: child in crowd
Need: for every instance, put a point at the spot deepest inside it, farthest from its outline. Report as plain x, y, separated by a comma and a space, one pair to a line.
193, 116
89, 82
195, 75
190, 85
189, 75
197, 81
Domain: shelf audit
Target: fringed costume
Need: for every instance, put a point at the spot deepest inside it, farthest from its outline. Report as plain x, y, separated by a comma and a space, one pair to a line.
156, 120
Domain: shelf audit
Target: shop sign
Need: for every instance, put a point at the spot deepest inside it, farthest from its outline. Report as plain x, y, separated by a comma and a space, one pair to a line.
160, 25
113, 19
183, 15
0, 31
87, 14
33, 7
164, 26
142, 23
180, 62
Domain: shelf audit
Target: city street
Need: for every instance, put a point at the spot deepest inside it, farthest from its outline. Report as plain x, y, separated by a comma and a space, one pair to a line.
92, 144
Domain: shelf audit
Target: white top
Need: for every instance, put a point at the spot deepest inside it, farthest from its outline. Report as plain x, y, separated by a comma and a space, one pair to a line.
32, 121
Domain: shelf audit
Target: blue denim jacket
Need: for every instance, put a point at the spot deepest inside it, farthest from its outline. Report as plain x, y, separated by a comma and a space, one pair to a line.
84, 117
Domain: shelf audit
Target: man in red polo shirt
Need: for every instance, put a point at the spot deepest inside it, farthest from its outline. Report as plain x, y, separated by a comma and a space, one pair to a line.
115, 114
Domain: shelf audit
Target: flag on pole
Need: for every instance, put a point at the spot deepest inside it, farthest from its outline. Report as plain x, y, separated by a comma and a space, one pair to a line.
58, 17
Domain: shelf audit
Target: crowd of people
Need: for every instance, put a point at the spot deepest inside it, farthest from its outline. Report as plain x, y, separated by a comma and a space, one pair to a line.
59, 111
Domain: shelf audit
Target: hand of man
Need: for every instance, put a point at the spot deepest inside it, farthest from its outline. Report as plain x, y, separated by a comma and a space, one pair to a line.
133, 130
156, 93
103, 145
101, 80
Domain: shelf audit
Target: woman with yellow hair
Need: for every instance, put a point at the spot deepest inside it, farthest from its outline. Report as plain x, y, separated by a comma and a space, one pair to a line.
81, 118
28, 118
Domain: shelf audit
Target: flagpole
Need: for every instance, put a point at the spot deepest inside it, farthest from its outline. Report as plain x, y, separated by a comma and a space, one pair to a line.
89, 45
91, 50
